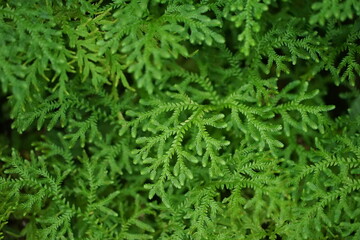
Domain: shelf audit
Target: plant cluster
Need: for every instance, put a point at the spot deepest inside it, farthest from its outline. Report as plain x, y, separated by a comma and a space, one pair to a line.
179, 119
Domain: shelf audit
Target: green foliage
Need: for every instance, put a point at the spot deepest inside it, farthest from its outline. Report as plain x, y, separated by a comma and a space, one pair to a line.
159, 119
340, 10
344, 56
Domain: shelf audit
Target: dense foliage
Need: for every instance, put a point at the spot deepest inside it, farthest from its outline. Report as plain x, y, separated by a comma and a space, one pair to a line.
179, 119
